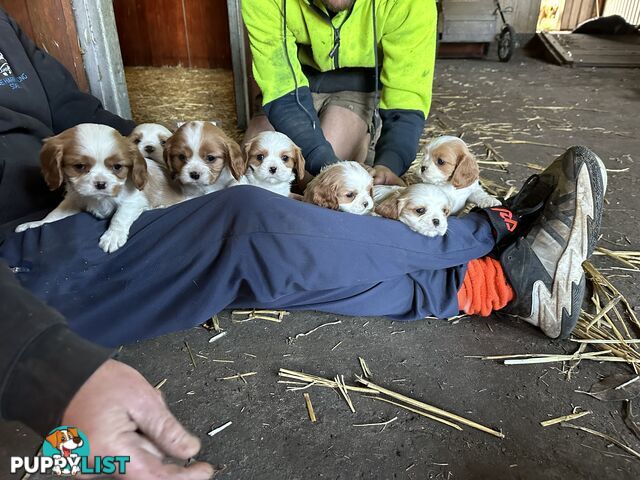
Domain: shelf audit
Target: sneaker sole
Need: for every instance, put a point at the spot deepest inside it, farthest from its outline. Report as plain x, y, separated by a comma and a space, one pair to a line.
564, 301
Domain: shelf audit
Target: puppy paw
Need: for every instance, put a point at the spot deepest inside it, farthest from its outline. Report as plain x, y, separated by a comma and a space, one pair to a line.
112, 240
27, 226
489, 202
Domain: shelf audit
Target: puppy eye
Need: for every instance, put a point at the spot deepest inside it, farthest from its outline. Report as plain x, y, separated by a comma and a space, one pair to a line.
163, 142
440, 161
423, 169
285, 158
421, 211
79, 167
182, 157
260, 157
117, 167
350, 195
445, 211
211, 158
137, 141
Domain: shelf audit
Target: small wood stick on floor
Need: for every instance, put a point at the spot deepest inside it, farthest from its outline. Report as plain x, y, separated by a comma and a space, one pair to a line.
341, 386
430, 408
312, 414
239, 376
365, 369
193, 360
564, 418
215, 431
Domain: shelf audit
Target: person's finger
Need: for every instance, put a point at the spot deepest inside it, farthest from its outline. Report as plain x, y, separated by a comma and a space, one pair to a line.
395, 180
159, 425
145, 466
379, 179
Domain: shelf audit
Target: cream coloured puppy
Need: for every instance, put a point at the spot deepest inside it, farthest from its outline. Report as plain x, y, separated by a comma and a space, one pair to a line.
449, 163
344, 186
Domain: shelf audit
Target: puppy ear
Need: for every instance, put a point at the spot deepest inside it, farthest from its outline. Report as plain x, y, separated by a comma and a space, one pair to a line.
165, 155
389, 207
51, 162
55, 438
322, 193
466, 171
299, 163
139, 173
235, 159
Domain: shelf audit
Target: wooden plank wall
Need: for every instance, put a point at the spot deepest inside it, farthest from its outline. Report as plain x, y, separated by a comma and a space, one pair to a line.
192, 33
575, 12
51, 24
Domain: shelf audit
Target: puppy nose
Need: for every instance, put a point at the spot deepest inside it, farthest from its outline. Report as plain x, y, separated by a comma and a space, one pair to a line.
77, 440
365, 204
273, 170
101, 185
149, 149
436, 222
194, 175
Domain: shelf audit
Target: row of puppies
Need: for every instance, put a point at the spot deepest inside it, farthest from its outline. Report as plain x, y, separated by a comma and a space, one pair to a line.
109, 176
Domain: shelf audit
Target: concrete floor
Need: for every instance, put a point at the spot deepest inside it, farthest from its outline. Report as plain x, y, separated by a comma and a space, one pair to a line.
272, 437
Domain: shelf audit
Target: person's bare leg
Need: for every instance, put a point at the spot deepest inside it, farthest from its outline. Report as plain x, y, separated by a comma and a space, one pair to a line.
346, 132
257, 124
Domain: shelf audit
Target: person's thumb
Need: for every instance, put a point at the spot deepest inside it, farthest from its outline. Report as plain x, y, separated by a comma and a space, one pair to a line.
157, 423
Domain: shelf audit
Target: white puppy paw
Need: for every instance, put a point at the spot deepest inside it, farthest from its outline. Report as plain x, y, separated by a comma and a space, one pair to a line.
489, 202
27, 226
112, 240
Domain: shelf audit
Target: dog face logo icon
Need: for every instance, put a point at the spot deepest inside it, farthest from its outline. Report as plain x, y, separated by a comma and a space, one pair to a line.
67, 446
5, 69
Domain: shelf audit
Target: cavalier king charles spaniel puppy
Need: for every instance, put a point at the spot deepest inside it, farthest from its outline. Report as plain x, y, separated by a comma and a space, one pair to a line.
150, 139
422, 207
273, 162
344, 186
203, 159
449, 164
105, 175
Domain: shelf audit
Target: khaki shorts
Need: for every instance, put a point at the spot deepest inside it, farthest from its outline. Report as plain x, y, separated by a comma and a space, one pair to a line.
360, 103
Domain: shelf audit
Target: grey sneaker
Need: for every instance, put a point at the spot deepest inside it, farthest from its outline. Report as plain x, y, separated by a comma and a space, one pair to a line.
544, 266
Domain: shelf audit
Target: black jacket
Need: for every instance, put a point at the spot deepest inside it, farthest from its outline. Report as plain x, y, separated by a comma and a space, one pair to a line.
42, 363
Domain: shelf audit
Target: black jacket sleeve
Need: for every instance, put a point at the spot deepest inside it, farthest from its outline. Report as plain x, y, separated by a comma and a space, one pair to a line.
42, 362
288, 117
398, 142
69, 105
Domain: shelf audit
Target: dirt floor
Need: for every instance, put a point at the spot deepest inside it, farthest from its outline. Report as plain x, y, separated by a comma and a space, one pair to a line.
271, 436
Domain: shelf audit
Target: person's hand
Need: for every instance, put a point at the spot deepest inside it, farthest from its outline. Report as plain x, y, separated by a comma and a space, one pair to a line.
384, 176
121, 414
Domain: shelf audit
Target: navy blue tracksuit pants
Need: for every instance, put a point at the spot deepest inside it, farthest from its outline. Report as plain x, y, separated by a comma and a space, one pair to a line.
242, 247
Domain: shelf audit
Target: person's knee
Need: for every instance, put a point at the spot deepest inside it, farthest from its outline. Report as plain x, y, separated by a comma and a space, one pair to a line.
257, 124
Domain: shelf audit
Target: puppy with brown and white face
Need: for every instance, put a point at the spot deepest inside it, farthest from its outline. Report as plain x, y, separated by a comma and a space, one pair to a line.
103, 173
203, 159
272, 162
150, 139
422, 207
344, 186
449, 163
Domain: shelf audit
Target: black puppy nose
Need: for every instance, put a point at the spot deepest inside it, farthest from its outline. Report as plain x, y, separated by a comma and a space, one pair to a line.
273, 170
194, 175
149, 149
101, 185
77, 440
365, 204
436, 222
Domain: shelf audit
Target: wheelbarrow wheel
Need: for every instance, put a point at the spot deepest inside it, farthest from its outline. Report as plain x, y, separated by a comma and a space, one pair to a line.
506, 43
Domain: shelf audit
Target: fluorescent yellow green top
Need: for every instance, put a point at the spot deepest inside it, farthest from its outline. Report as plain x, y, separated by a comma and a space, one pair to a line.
406, 38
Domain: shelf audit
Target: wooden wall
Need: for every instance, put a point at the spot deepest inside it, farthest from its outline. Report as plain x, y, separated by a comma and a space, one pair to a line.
575, 12
51, 24
192, 33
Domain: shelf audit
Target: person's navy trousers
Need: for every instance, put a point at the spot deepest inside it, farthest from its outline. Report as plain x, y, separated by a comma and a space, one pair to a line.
242, 247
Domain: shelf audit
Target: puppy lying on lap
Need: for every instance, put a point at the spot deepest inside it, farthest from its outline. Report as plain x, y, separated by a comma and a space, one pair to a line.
449, 164
203, 159
272, 161
344, 186
105, 175
423, 208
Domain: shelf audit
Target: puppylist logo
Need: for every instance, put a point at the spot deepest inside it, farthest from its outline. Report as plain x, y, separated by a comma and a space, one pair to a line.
65, 452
